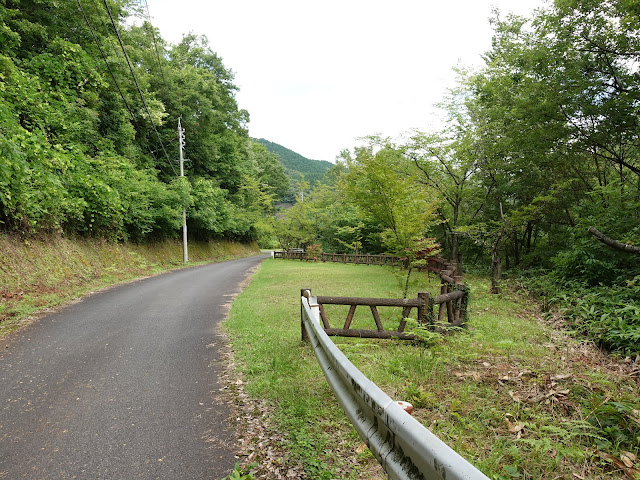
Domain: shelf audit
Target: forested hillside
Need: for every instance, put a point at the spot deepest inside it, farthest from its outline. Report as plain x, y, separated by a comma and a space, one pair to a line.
89, 107
296, 165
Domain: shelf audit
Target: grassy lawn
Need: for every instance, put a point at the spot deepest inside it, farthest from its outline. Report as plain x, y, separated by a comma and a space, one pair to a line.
516, 397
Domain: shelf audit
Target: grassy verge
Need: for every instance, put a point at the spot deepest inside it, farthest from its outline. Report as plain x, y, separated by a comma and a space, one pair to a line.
511, 394
37, 274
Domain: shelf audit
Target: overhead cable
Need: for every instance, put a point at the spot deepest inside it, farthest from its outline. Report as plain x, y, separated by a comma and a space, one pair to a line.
115, 29
104, 57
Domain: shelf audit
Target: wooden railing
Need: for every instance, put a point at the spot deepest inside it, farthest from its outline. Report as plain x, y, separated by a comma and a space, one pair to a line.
360, 259
453, 301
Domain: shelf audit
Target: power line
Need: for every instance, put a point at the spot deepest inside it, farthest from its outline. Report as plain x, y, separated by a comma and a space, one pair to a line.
104, 57
104, 25
115, 29
153, 35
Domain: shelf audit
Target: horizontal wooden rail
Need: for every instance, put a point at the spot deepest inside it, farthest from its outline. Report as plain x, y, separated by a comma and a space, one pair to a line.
378, 302
352, 332
359, 259
449, 297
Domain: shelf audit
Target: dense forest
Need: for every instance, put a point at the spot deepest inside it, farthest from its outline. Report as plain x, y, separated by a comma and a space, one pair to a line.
90, 99
537, 171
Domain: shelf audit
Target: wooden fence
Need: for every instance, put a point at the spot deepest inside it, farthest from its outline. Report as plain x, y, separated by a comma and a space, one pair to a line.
452, 300
360, 259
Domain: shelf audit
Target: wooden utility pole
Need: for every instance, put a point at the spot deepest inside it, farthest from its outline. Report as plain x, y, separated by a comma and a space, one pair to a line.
185, 250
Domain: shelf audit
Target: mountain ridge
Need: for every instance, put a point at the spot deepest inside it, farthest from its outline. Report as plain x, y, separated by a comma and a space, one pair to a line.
297, 165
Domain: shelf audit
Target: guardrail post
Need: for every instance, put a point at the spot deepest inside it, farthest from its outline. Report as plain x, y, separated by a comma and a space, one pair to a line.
303, 329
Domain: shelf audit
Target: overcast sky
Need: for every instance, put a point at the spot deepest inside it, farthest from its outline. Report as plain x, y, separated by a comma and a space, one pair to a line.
314, 75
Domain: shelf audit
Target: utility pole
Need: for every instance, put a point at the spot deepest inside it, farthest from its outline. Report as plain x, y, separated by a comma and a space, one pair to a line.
185, 251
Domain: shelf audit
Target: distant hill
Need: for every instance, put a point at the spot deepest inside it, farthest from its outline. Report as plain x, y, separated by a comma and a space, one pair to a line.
295, 164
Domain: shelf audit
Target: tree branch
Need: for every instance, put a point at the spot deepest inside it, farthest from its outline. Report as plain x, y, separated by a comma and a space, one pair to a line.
625, 247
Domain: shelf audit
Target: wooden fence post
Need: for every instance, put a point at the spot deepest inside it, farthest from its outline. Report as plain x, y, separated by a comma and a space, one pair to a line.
424, 305
443, 289
458, 306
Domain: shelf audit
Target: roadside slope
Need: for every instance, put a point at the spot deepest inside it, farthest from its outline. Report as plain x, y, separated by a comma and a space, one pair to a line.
41, 273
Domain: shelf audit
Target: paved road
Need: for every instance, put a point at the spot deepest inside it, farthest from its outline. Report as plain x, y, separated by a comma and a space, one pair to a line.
122, 385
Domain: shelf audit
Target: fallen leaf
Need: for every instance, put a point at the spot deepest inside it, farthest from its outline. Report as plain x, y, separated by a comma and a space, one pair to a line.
632, 473
628, 459
514, 428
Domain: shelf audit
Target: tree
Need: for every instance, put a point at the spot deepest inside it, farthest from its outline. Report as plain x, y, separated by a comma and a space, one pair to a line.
382, 184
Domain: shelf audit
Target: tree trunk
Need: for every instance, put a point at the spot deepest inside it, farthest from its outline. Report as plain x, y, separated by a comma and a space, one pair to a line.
496, 265
406, 283
496, 271
507, 263
528, 236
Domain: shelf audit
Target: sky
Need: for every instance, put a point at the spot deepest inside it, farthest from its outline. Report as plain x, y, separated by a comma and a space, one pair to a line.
317, 76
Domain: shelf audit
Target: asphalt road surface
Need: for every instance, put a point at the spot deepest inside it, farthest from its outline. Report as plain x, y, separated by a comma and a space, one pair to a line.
124, 384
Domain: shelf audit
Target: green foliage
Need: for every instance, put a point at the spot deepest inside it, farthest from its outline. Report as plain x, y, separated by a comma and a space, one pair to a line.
239, 474
426, 337
610, 314
379, 184
271, 172
79, 150
619, 424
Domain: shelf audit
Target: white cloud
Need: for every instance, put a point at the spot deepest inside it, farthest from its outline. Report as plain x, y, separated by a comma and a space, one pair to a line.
316, 75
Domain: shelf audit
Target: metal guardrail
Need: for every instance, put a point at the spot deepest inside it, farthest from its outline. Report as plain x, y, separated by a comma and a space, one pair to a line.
402, 445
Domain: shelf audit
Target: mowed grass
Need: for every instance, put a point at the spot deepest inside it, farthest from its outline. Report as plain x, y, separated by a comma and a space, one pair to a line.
515, 397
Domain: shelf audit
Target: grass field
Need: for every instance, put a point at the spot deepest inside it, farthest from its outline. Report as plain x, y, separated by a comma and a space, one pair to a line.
513, 395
